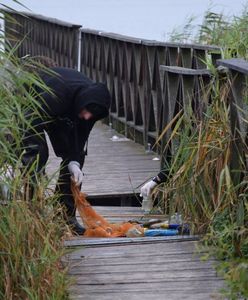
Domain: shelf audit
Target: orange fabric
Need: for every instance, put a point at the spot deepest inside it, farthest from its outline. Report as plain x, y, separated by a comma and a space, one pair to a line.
95, 224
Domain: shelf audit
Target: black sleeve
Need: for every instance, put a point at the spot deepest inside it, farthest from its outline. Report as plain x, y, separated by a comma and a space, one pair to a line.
82, 132
164, 173
162, 176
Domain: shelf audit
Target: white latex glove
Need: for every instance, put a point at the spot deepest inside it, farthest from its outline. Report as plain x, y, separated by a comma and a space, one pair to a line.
76, 173
147, 188
4, 191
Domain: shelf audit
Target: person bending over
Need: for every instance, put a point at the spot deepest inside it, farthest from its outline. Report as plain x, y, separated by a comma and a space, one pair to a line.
67, 114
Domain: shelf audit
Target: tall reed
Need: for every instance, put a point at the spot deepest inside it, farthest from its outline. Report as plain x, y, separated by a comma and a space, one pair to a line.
31, 229
203, 183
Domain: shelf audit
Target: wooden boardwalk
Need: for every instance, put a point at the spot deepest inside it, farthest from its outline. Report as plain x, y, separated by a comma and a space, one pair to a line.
114, 166
131, 268
139, 268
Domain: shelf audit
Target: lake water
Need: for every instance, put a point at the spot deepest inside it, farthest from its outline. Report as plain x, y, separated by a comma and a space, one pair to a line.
150, 19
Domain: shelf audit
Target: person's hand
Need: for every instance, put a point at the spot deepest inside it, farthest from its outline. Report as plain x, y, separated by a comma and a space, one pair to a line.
76, 173
147, 188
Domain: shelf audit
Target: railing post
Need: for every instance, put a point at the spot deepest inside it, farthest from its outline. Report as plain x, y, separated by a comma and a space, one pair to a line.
237, 76
179, 93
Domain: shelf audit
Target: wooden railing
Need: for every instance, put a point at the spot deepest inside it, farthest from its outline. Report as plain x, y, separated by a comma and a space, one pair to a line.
183, 90
150, 81
237, 75
35, 35
237, 71
131, 68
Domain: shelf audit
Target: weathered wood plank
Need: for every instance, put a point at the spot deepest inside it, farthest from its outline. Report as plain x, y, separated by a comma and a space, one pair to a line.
142, 267
124, 214
173, 286
119, 241
151, 295
122, 250
171, 258
123, 278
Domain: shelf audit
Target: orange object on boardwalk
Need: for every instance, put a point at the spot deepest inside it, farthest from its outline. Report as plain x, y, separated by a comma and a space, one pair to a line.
95, 224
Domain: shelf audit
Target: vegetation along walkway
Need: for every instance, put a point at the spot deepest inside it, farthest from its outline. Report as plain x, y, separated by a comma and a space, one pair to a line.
132, 268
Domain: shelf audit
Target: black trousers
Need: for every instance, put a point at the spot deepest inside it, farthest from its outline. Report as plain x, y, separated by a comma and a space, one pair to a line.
36, 146
63, 188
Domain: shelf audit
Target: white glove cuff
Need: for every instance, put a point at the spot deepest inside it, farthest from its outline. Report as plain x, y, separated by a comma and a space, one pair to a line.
153, 184
73, 162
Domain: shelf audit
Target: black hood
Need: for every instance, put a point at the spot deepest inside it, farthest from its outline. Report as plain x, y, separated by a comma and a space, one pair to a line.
96, 93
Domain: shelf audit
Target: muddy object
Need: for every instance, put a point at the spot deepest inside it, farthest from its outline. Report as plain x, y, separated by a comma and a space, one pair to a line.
149, 223
184, 229
134, 232
164, 224
135, 222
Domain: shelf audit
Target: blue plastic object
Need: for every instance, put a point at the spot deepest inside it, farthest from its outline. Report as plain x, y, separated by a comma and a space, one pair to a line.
160, 232
173, 226
182, 229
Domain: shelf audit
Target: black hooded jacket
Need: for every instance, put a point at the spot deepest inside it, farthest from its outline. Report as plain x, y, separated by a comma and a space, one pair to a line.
71, 92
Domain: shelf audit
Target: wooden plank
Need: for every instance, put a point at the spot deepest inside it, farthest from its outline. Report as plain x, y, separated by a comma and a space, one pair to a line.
142, 276
162, 286
125, 214
119, 217
132, 250
142, 267
175, 258
118, 210
165, 287
92, 261
150, 295
119, 241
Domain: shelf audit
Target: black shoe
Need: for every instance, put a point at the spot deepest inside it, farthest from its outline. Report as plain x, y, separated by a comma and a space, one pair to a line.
75, 226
